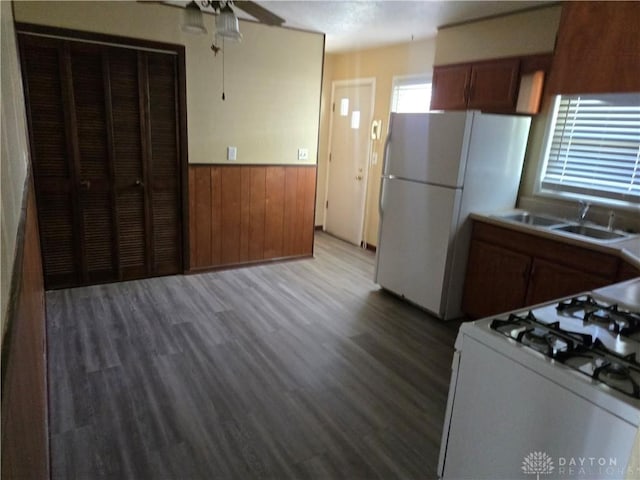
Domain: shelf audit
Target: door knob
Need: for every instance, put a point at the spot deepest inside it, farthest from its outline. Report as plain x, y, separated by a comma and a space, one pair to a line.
358, 177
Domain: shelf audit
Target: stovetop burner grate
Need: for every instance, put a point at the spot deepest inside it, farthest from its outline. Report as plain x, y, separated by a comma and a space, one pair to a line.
577, 350
618, 321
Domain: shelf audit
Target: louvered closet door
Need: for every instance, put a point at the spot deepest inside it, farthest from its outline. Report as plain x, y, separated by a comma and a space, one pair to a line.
106, 156
93, 163
164, 163
126, 90
43, 64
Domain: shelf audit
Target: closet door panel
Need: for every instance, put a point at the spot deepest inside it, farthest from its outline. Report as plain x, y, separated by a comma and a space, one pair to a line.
127, 163
164, 163
43, 66
94, 163
104, 130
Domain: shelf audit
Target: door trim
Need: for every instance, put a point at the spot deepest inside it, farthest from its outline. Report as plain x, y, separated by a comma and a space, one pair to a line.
367, 81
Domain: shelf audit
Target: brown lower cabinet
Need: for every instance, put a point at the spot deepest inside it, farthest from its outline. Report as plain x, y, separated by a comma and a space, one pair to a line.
105, 146
497, 279
510, 269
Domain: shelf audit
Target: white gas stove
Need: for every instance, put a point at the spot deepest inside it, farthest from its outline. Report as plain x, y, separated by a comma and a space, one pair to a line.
552, 391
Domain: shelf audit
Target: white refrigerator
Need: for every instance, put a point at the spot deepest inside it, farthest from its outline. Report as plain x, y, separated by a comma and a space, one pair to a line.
437, 168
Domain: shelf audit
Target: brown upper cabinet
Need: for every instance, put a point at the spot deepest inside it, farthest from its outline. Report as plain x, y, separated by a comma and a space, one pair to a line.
479, 86
598, 48
491, 86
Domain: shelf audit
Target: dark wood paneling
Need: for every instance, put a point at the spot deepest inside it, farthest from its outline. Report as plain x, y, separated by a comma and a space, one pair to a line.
597, 49
245, 212
25, 436
291, 229
257, 213
201, 216
249, 213
309, 209
230, 216
216, 216
274, 212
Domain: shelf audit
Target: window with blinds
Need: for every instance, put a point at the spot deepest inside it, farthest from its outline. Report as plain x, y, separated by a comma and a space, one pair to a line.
594, 147
411, 94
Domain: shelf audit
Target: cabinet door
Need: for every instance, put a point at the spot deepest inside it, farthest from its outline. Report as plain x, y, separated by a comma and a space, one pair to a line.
597, 48
627, 272
496, 280
549, 281
450, 87
494, 85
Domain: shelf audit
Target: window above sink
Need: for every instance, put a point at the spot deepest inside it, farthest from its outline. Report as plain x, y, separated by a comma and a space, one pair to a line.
593, 149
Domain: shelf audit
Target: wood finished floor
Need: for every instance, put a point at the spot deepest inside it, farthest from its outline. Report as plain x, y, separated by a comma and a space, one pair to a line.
302, 370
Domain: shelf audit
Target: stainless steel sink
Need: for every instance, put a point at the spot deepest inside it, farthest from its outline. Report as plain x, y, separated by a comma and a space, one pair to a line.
533, 219
589, 231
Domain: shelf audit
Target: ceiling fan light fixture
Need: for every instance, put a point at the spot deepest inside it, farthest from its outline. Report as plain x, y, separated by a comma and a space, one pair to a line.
193, 21
227, 25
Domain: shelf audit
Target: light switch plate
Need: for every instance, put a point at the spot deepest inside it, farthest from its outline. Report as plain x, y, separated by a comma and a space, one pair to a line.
232, 153
303, 154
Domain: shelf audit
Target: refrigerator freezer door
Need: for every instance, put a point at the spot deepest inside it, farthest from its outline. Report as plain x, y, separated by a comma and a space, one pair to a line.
414, 240
428, 147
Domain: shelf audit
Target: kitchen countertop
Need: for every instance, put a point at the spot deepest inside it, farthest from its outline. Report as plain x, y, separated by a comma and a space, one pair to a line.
627, 249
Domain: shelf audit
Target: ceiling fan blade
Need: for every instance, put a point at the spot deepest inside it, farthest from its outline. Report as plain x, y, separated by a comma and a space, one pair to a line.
261, 13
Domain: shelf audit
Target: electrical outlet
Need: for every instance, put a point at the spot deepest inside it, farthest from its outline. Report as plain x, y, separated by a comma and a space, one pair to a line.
303, 154
232, 153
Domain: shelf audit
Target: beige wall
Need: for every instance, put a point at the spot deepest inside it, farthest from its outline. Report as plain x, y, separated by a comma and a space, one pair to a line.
14, 154
382, 64
272, 77
519, 34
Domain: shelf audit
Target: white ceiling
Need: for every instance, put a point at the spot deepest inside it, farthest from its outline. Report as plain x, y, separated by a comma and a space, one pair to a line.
350, 25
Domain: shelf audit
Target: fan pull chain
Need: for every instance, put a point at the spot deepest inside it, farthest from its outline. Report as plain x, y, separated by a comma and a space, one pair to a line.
223, 49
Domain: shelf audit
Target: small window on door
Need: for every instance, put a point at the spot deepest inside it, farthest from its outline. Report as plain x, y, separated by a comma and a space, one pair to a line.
411, 94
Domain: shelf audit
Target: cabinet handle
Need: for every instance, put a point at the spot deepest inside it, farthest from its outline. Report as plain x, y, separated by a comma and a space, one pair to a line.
139, 183
86, 184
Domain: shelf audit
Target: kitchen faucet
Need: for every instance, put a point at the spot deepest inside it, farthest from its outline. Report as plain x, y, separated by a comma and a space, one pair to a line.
583, 208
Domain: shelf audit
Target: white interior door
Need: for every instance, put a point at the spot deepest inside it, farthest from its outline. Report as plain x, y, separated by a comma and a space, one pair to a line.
348, 163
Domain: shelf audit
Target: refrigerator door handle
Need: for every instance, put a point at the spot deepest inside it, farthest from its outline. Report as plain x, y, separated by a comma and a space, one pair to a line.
385, 154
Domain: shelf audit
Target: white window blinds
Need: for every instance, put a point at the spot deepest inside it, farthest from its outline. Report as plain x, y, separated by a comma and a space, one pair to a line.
411, 94
595, 147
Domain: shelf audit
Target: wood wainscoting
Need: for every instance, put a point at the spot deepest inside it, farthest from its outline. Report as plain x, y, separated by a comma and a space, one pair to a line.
250, 213
25, 435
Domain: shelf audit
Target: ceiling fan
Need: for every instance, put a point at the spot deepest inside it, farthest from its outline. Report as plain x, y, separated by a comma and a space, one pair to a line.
225, 12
